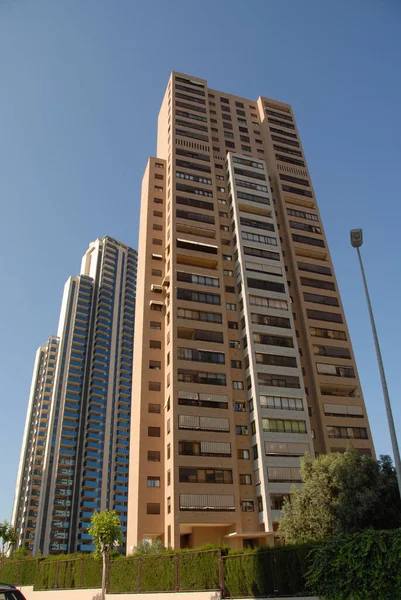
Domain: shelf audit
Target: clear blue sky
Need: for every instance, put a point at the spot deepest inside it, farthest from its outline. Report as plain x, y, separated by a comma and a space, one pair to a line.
81, 82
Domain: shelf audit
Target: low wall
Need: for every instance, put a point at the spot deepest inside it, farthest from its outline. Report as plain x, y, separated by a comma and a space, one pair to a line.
95, 595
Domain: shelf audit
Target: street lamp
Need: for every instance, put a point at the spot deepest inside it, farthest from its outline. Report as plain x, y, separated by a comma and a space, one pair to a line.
356, 242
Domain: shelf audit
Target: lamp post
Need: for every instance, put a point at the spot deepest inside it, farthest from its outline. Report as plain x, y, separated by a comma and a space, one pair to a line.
356, 242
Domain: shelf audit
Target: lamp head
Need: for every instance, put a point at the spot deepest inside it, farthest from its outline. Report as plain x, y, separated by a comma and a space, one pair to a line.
356, 238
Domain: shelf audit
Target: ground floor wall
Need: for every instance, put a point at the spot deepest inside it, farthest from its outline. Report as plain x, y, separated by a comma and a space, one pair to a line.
94, 594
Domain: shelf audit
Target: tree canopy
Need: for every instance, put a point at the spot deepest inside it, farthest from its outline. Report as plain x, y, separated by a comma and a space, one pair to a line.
106, 531
341, 493
8, 537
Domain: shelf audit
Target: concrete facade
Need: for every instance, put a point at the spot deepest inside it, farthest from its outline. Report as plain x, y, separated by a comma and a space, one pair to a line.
94, 594
242, 351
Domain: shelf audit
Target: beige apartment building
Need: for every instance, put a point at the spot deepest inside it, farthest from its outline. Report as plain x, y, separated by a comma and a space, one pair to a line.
242, 356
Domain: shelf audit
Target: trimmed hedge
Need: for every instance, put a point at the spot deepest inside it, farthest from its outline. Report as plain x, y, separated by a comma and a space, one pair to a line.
22, 572
69, 574
124, 575
199, 570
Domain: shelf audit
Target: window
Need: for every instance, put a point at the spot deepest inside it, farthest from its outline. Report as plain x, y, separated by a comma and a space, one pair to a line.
332, 352
333, 334
281, 403
157, 213
155, 364
169, 477
320, 315
157, 241
283, 426
203, 297
154, 386
270, 321
196, 246
283, 381
343, 410
156, 273
190, 177
203, 423
322, 270
238, 385
191, 216
168, 451
169, 505
261, 253
205, 475
296, 191
228, 273
236, 364
158, 200
230, 306
319, 299
316, 283
268, 302
153, 508
230, 289
227, 257
335, 370
281, 140
154, 408
154, 431
256, 224
273, 340
239, 407
244, 454
155, 344
245, 479
157, 306
159, 165
196, 315
157, 257
153, 456
195, 203
247, 505
224, 228
275, 360
200, 355
188, 376
204, 448
203, 400
193, 190
305, 227
235, 344
198, 279
232, 325
241, 430
303, 239
357, 433
153, 482
250, 185
261, 284
158, 188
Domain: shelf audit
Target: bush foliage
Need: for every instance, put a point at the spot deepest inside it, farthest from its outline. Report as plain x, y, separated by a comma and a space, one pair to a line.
357, 567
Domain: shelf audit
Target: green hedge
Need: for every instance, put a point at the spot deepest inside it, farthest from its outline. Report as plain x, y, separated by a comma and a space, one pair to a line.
357, 567
124, 575
198, 570
20, 572
157, 573
69, 574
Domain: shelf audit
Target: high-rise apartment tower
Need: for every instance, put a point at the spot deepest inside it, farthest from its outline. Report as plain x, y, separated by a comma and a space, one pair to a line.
74, 458
242, 355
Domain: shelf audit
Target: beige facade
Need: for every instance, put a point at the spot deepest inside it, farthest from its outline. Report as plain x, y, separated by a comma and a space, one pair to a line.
242, 357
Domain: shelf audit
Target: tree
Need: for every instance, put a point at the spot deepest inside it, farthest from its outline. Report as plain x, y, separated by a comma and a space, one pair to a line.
106, 532
149, 548
341, 493
8, 538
